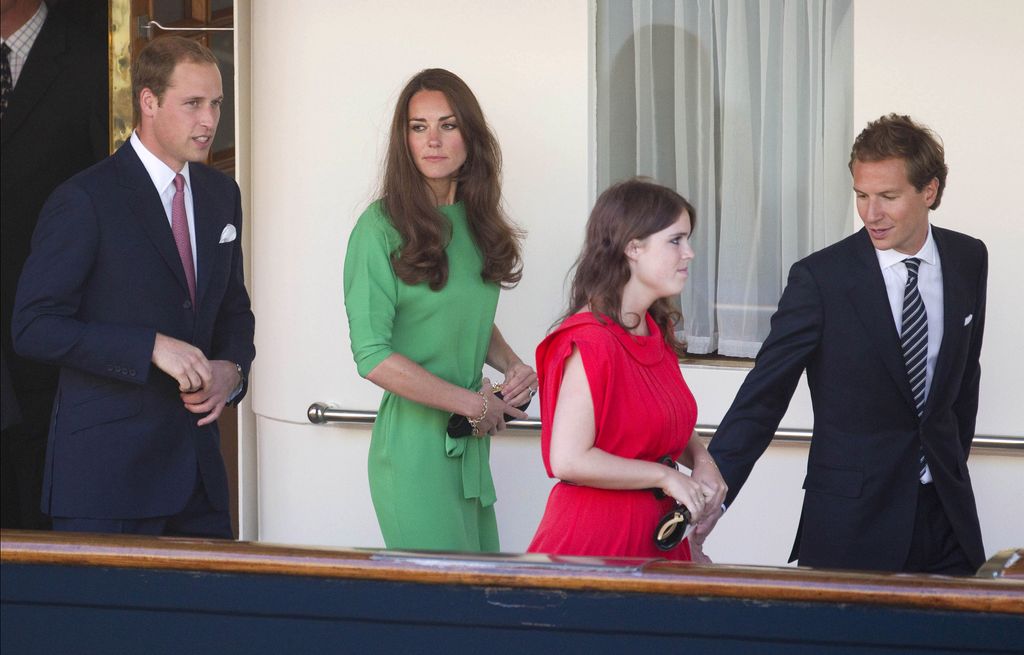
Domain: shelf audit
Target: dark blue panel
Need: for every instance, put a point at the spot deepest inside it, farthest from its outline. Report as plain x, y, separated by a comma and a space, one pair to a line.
49, 609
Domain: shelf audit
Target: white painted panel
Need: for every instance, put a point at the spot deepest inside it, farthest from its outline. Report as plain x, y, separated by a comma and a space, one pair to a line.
313, 485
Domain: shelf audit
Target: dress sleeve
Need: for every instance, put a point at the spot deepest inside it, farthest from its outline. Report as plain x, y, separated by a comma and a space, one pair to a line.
371, 289
552, 354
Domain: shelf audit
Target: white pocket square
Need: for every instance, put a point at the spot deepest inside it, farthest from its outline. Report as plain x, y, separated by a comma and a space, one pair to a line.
967, 321
228, 234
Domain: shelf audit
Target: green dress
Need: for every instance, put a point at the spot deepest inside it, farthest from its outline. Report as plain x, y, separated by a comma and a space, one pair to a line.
429, 491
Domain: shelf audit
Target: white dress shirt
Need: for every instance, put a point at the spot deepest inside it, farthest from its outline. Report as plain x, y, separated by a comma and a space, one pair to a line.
163, 180
21, 41
929, 283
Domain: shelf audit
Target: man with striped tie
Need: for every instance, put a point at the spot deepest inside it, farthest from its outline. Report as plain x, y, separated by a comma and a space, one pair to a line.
888, 324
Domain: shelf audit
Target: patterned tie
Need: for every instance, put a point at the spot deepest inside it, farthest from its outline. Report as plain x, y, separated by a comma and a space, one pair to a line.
914, 340
6, 81
179, 226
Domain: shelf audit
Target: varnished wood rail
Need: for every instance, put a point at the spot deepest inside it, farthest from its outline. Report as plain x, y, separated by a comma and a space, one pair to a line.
998, 595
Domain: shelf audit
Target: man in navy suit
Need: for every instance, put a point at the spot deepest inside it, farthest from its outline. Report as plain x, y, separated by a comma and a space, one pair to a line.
887, 485
54, 125
134, 288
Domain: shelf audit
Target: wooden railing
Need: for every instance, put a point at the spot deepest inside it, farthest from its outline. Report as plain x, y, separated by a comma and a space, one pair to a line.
1003, 594
65, 593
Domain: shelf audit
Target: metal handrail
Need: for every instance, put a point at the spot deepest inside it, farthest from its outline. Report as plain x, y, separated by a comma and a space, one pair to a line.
324, 413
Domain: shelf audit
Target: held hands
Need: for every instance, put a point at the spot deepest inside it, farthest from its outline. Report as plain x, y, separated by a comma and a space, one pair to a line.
705, 471
205, 385
688, 491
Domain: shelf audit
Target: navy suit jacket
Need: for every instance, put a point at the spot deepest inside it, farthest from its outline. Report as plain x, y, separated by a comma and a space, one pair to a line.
834, 321
103, 277
55, 126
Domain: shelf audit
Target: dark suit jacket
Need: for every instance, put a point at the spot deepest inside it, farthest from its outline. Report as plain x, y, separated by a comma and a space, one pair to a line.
834, 320
55, 126
103, 278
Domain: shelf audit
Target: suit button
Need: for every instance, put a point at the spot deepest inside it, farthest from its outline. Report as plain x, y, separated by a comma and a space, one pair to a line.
187, 304
131, 372
110, 369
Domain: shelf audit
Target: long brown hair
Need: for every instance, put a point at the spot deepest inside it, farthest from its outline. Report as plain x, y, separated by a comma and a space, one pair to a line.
410, 204
632, 209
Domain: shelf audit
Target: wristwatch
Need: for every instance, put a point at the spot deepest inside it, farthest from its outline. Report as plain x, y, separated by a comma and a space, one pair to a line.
241, 383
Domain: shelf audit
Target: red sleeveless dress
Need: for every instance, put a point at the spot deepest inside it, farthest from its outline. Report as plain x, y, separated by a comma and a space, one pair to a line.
642, 410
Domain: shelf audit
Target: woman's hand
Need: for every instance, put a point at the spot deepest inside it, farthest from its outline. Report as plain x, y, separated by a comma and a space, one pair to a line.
494, 418
687, 491
520, 385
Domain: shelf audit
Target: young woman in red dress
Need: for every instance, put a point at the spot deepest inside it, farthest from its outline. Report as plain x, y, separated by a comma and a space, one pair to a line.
613, 400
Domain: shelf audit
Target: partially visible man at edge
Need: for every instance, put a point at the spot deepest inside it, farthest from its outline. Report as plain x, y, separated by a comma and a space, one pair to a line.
53, 125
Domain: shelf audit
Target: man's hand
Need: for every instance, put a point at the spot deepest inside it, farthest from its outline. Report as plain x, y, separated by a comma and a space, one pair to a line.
697, 555
705, 471
212, 398
704, 527
183, 362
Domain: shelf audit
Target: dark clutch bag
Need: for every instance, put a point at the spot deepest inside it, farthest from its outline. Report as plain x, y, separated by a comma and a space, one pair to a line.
672, 527
458, 425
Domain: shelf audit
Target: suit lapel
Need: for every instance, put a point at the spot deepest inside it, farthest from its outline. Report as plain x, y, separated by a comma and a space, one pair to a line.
955, 307
41, 69
868, 295
145, 203
206, 210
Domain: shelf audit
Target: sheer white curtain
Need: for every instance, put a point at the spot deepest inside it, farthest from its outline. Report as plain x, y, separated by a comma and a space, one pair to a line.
745, 107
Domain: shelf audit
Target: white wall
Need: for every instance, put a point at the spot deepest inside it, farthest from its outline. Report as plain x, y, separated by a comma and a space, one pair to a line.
323, 87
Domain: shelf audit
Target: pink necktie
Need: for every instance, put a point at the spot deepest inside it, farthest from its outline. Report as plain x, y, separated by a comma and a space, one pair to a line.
179, 226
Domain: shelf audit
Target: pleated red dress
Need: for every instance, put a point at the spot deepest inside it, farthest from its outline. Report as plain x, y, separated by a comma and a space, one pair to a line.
642, 410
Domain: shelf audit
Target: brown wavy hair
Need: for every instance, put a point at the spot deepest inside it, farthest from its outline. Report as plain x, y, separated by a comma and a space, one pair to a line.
899, 137
632, 209
411, 206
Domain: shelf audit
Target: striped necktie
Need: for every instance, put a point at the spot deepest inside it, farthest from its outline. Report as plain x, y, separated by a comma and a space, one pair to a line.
6, 79
914, 340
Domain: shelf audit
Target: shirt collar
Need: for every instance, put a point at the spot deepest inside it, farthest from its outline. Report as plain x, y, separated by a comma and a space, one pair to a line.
928, 254
21, 40
161, 174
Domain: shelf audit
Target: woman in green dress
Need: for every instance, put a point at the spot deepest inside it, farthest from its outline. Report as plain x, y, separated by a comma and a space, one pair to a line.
422, 273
